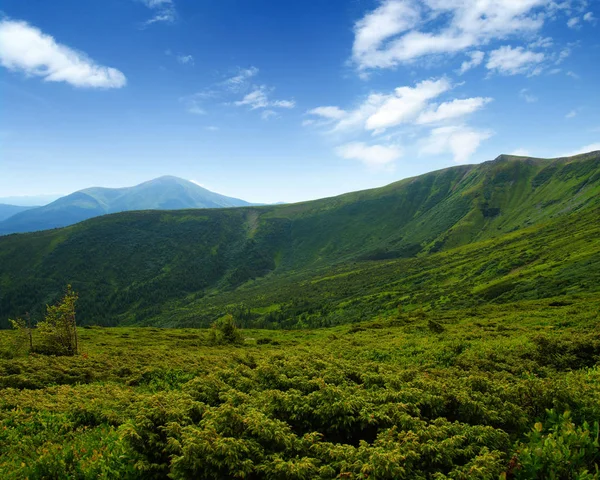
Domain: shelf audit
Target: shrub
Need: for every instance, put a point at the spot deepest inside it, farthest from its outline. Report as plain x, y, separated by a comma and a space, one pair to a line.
562, 450
225, 331
58, 330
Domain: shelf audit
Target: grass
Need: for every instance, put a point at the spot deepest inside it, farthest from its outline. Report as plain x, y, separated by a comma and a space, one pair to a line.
467, 386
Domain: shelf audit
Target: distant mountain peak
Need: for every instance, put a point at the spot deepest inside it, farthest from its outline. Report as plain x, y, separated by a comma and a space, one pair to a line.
163, 193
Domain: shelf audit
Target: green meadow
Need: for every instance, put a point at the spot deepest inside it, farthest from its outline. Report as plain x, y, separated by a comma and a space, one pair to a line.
497, 391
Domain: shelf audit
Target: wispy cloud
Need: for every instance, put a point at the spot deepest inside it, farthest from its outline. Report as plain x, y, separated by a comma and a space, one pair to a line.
240, 80
475, 59
181, 58
412, 112
374, 156
450, 110
521, 152
185, 59
402, 31
594, 147
507, 60
256, 97
27, 49
259, 98
164, 11
571, 114
461, 141
526, 95
266, 114
406, 105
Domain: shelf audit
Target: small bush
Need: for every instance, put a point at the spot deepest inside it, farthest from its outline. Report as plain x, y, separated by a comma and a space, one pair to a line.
225, 331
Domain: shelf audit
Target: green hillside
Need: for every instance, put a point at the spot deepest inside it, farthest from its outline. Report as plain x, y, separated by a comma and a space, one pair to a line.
462, 309
487, 221
164, 193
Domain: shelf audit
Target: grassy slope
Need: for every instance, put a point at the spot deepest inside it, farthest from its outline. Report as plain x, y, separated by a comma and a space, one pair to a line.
560, 257
133, 266
453, 393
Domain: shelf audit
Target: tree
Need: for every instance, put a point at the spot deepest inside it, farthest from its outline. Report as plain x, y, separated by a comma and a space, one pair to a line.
224, 330
23, 332
58, 330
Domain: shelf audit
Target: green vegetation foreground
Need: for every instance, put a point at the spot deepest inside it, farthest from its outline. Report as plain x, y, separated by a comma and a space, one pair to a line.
510, 391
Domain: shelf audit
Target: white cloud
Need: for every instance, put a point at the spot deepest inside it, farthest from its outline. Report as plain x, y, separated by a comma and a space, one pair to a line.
571, 114
476, 58
27, 49
589, 17
542, 42
185, 59
328, 112
521, 152
388, 20
460, 141
283, 103
451, 110
563, 55
255, 99
240, 80
196, 109
374, 156
254, 96
573, 75
266, 114
594, 147
355, 119
259, 98
165, 11
573, 22
406, 104
526, 95
402, 31
408, 111
212, 128
512, 61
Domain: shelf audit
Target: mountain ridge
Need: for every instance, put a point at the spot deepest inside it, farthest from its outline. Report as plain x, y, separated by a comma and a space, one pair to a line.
133, 265
163, 193
7, 211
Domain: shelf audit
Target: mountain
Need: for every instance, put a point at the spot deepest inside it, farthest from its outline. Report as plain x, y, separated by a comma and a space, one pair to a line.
514, 226
7, 211
164, 193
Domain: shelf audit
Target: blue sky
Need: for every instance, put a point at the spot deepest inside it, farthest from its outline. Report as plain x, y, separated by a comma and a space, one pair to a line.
286, 101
